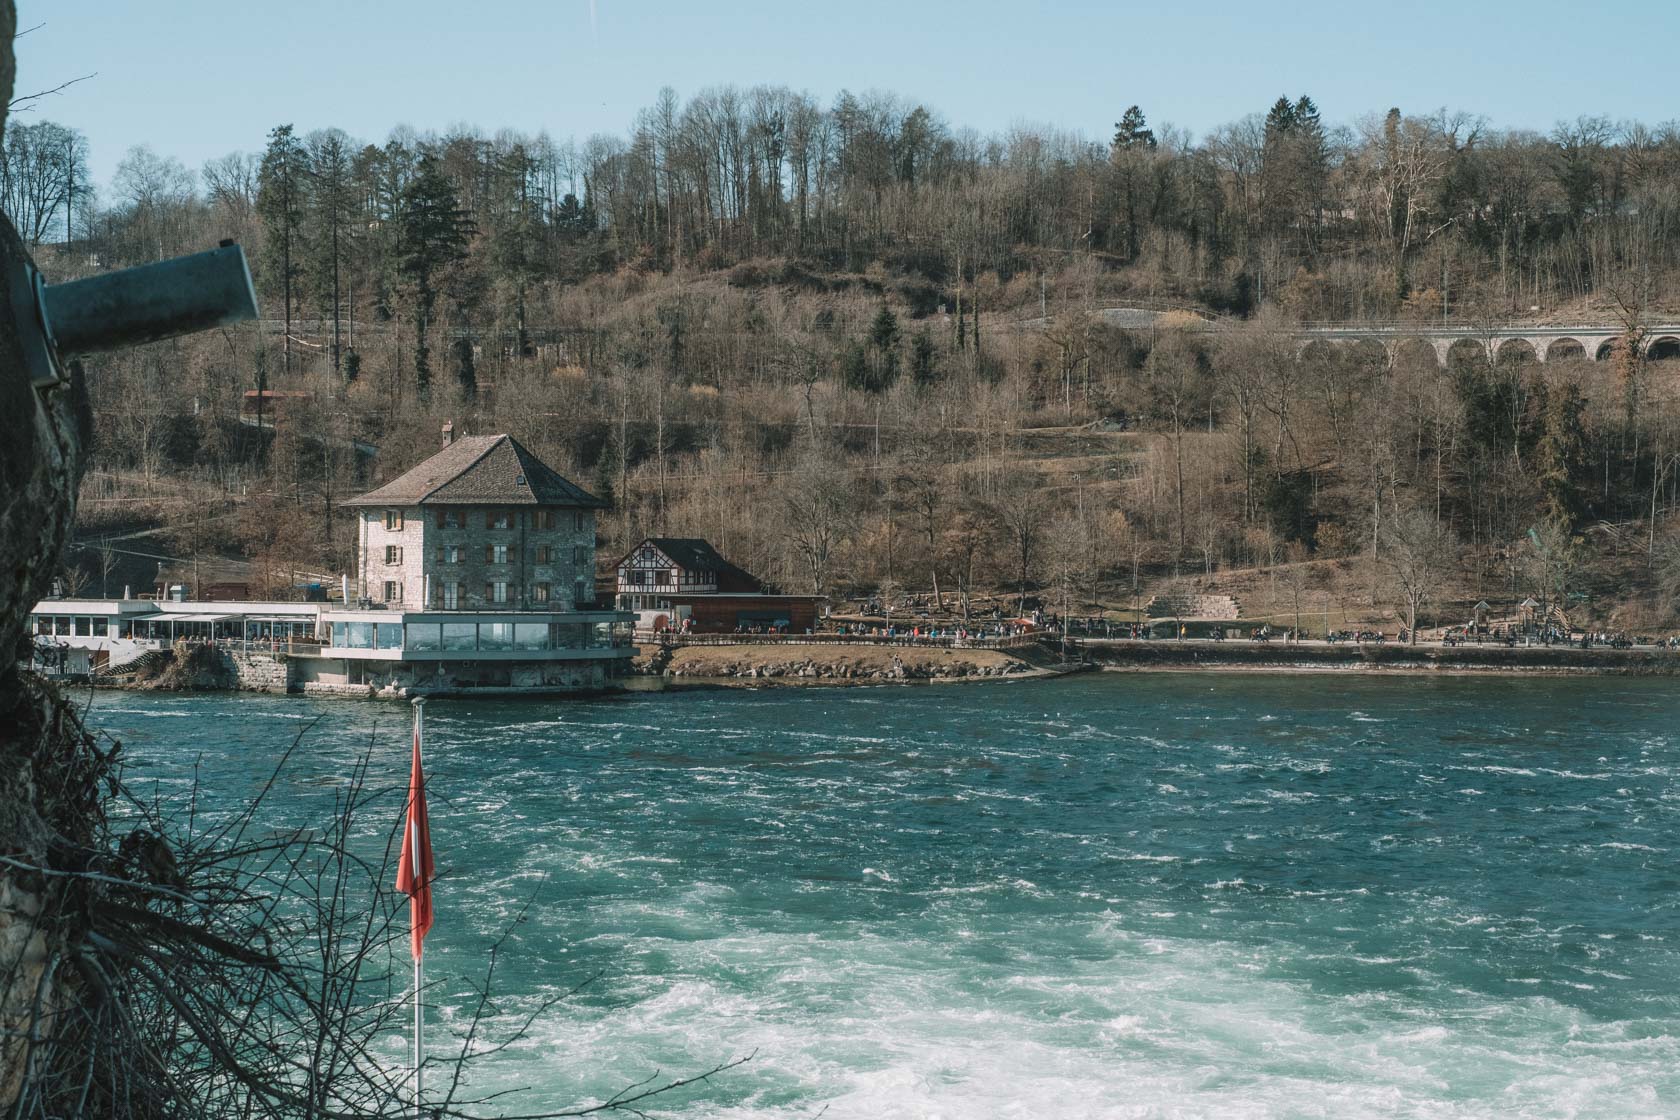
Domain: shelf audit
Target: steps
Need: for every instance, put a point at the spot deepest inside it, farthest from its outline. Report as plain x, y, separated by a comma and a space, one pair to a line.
1191, 605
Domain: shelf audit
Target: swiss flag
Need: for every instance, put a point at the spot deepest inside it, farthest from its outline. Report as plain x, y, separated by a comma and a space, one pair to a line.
415, 870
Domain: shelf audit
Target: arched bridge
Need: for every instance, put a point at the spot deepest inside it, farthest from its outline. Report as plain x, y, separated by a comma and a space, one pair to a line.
1509, 341
1514, 341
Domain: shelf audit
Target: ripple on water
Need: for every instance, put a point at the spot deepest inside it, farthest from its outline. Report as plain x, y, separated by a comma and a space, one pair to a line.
1009, 902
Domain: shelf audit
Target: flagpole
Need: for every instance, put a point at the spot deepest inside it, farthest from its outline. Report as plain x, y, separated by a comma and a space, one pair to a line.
419, 1033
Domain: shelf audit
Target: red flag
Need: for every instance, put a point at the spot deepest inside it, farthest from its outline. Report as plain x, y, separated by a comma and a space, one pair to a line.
415, 870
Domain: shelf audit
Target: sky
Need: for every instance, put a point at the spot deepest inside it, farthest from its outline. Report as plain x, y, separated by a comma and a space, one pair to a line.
197, 79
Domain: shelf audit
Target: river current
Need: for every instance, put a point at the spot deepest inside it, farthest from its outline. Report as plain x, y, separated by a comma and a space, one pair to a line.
1151, 895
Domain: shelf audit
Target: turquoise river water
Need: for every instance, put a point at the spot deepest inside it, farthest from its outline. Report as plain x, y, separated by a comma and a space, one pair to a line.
1151, 895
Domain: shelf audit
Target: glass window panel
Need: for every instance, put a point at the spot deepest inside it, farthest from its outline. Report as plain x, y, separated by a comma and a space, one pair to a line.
340, 635
390, 635
361, 635
495, 635
101, 627
460, 635
530, 635
426, 636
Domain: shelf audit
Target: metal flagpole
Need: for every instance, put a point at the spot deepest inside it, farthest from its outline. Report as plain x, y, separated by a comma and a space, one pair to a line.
419, 871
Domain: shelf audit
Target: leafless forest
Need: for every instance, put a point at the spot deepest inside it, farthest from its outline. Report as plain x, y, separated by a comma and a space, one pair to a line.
855, 346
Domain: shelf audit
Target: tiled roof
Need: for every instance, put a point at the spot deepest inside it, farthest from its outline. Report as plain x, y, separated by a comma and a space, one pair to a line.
480, 471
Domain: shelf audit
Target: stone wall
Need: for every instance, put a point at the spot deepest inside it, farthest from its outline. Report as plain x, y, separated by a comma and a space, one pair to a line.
262, 672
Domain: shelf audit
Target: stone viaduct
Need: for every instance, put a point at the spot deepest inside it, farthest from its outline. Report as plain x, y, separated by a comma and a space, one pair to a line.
1504, 341
1508, 342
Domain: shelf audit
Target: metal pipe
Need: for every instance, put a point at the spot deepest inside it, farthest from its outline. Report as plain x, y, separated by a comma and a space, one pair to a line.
151, 302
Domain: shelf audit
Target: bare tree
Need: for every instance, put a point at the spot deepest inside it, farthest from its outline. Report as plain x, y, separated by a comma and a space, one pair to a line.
1416, 549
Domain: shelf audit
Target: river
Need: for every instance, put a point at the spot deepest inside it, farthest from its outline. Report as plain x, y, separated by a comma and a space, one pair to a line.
1100, 896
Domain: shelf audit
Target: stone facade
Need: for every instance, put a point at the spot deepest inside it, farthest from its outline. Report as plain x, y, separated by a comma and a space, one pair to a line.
544, 555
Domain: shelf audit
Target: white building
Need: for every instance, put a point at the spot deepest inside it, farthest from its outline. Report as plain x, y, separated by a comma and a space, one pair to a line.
475, 574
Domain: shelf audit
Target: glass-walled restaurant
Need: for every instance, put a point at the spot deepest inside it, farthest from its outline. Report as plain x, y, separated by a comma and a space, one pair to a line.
474, 637
174, 627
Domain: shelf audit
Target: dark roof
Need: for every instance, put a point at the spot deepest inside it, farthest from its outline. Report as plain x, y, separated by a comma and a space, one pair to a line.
480, 471
692, 554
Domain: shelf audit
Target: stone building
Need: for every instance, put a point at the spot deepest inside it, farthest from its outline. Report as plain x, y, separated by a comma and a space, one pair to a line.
483, 525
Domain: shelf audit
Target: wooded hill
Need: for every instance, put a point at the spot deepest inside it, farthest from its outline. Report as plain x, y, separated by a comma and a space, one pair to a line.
854, 345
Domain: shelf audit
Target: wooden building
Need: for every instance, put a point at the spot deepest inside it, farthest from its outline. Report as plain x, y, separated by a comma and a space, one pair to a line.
683, 583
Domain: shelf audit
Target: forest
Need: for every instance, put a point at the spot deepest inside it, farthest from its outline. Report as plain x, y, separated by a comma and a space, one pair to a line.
864, 350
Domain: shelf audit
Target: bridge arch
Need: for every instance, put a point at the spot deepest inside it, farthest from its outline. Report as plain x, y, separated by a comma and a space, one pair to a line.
1319, 350
1663, 348
1564, 350
1467, 352
1515, 351
1605, 349
1417, 353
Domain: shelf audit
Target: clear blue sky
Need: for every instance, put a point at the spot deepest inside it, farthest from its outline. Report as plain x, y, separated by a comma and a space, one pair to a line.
199, 78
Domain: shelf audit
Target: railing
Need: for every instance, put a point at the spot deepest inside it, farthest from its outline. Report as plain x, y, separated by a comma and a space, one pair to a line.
1005, 641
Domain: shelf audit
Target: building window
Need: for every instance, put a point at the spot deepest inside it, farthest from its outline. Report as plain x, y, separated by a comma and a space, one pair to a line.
393, 591
542, 519
449, 554
448, 519
581, 592
496, 592
393, 520
451, 596
579, 554
577, 521
545, 554
498, 519
393, 554
495, 554
539, 592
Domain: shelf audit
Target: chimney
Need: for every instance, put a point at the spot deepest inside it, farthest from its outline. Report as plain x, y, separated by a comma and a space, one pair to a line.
448, 432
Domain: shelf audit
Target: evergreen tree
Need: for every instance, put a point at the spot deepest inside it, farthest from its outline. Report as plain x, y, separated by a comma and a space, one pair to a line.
332, 210
432, 235
466, 369
1132, 131
854, 368
1280, 119
1560, 457
924, 370
280, 205
883, 340
1134, 143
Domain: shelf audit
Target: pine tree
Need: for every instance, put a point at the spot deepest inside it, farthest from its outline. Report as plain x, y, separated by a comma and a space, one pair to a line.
924, 370
1132, 131
280, 204
1560, 457
332, 209
1280, 119
1134, 141
432, 235
883, 340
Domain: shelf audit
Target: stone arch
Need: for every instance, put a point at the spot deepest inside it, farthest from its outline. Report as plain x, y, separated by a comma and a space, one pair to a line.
1663, 348
1416, 352
1604, 350
1515, 351
1318, 350
1365, 351
1565, 350
1467, 352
